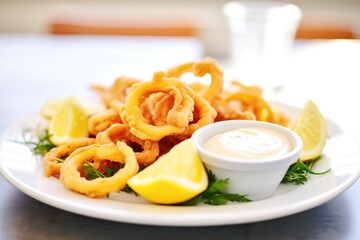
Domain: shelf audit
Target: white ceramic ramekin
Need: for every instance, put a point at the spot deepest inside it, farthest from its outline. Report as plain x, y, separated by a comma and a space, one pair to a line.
256, 178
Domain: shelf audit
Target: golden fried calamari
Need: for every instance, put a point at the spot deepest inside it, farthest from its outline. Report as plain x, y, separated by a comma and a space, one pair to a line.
203, 114
146, 151
54, 159
102, 120
177, 118
199, 69
117, 91
95, 154
145, 119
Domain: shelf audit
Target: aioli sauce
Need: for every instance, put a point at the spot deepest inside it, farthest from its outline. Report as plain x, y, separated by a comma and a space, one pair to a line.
249, 143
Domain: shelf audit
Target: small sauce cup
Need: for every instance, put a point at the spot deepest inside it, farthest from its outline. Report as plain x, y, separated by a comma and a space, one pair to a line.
256, 178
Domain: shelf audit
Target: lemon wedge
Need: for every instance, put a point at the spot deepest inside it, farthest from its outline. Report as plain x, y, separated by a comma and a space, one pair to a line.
310, 125
69, 122
51, 107
175, 177
53, 104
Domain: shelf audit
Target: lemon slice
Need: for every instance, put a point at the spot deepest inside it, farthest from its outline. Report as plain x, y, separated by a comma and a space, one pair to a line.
69, 122
310, 125
175, 177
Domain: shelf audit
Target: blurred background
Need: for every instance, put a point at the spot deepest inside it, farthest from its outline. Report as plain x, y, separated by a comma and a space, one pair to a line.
322, 19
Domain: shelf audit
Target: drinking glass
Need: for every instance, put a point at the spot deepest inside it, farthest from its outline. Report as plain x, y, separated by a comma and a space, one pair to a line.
262, 34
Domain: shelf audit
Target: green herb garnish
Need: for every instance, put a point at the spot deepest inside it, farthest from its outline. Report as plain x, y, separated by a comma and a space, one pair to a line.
91, 172
299, 172
43, 145
214, 194
109, 171
60, 160
128, 189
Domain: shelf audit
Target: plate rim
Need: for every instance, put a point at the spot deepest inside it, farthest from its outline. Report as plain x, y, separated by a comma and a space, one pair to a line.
162, 219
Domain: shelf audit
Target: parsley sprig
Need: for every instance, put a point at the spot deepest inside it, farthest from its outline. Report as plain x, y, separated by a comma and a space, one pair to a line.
214, 194
299, 172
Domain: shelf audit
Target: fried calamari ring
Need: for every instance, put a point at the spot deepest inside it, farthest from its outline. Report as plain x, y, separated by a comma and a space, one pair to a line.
199, 88
52, 159
234, 105
203, 114
199, 69
161, 108
233, 111
117, 91
121, 132
178, 116
102, 120
99, 187
116, 132
239, 87
248, 103
148, 105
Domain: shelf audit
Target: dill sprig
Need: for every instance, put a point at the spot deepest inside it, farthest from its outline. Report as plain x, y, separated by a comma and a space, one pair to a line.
60, 160
299, 172
214, 193
109, 171
91, 172
43, 145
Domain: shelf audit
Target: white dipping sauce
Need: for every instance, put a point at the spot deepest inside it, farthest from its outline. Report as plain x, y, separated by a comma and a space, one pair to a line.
249, 143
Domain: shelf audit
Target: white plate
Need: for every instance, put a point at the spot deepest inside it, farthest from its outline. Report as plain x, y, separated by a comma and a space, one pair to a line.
24, 170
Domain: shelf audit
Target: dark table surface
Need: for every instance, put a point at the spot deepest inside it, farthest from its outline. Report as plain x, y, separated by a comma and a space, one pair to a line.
28, 73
